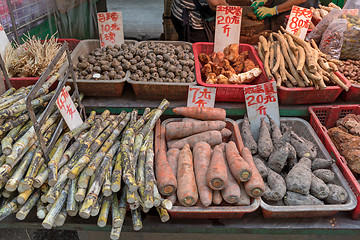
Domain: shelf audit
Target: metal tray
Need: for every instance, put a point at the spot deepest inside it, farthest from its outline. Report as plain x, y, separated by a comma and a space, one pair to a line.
93, 87
304, 129
198, 211
160, 90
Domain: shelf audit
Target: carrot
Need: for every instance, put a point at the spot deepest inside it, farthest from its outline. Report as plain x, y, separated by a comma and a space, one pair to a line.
202, 155
211, 137
181, 129
190, 120
166, 180
244, 198
172, 156
255, 187
202, 113
216, 175
187, 192
239, 168
217, 198
231, 194
225, 134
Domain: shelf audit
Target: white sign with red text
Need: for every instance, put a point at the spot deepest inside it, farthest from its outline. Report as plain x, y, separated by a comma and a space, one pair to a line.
299, 18
227, 26
4, 41
201, 97
261, 100
111, 29
68, 110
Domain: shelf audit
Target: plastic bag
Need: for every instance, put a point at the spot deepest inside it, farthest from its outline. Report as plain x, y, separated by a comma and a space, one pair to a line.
351, 45
333, 38
318, 31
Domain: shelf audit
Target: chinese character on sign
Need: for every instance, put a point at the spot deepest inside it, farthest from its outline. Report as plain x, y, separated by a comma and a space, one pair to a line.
201, 97
299, 20
68, 110
110, 29
261, 100
227, 26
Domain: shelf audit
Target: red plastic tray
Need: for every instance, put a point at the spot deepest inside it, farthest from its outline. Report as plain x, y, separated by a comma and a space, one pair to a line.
227, 92
353, 95
324, 117
310, 95
199, 211
18, 82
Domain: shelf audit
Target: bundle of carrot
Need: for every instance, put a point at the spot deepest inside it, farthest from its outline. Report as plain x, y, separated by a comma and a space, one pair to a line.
202, 163
104, 165
293, 62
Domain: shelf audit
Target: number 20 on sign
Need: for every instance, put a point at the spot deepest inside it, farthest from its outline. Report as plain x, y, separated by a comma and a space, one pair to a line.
261, 101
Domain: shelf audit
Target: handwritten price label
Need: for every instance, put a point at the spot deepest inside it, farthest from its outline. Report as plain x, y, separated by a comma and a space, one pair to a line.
111, 29
68, 110
299, 18
227, 26
4, 41
201, 97
261, 100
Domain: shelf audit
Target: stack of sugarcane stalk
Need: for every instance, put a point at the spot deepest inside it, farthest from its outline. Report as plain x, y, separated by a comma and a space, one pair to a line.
294, 62
103, 166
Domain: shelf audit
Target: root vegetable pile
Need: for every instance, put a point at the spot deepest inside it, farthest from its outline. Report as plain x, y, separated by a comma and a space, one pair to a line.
228, 67
351, 70
105, 165
322, 11
346, 137
292, 62
208, 168
292, 171
31, 58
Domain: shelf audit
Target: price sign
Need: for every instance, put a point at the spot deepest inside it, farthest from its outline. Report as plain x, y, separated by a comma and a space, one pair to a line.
201, 97
227, 26
261, 100
111, 29
68, 110
4, 41
299, 19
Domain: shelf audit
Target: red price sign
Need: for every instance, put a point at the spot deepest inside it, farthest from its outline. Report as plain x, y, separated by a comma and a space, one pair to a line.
227, 26
111, 30
299, 19
68, 110
201, 97
261, 100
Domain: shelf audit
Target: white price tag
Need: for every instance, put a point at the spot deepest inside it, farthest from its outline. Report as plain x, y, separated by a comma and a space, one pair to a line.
4, 41
201, 97
261, 100
227, 26
96, 75
111, 29
299, 18
68, 110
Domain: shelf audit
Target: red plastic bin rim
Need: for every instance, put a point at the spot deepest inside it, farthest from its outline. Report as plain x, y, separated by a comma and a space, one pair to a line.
299, 89
202, 83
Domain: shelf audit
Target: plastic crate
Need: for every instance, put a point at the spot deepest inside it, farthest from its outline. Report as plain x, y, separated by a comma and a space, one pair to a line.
161, 90
353, 95
325, 117
18, 82
198, 211
309, 95
227, 92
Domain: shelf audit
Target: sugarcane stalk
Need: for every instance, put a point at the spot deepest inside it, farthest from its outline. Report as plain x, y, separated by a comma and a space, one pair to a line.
130, 196
71, 205
8, 208
30, 203
14, 181
12, 124
157, 197
117, 172
115, 233
6, 143
115, 212
22, 131
143, 119
104, 212
45, 87
54, 162
8, 92
93, 147
96, 209
6, 194
61, 217
83, 180
80, 194
127, 155
24, 196
2, 159
49, 206
140, 168
148, 196
136, 219
95, 161
41, 178
12, 100
166, 203
163, 213
55, 191
44, 190
56, 208
106, 189
41, 210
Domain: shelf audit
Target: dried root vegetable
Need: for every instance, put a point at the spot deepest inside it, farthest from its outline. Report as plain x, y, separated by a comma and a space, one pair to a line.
275, 188
299, 178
